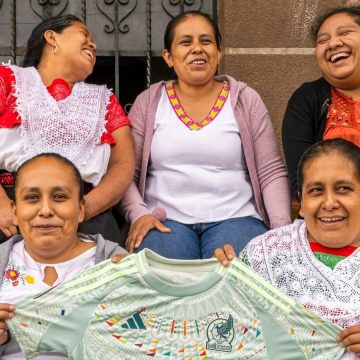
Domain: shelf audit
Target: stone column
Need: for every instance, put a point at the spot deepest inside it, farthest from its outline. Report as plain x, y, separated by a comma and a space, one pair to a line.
267, 45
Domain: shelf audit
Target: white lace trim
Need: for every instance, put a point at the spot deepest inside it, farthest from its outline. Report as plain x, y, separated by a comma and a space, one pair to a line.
284, 257
71, 127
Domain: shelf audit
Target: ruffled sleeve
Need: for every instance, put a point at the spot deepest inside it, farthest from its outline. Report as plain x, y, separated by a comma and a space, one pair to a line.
115, 119
8, 115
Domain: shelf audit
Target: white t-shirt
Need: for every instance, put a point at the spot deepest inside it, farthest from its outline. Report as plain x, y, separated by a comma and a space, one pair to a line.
198, 176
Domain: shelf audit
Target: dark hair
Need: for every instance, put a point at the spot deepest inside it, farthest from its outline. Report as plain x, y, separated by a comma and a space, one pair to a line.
174, 22
341, 146
59, 158
353, 11
36, 42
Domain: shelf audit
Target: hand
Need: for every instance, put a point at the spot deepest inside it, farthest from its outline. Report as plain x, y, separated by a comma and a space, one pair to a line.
350, 339
139, 230
6, 218
118, 257
225, 255
6, 312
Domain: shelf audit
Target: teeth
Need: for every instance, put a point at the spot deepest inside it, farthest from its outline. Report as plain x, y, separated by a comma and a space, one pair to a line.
198, 62
340, 55
89, 53
326, 219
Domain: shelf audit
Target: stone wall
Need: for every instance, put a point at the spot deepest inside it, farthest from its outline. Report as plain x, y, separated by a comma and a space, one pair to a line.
266, 45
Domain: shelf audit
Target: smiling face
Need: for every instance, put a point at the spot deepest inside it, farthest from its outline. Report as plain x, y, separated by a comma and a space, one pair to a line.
331, 200
76, 50
338, 51
48, 210
193, 53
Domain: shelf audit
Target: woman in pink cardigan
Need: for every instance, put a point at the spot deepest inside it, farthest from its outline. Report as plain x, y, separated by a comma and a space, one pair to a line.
208, 170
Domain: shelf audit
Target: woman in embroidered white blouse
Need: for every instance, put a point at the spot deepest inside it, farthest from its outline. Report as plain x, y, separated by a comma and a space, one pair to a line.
56, 111
317, 260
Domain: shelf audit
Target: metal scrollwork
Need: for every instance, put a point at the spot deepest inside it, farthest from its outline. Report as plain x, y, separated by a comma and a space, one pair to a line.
48, 7
117, 21
13, 32
148, 43
83, 11
182, 5
51, 2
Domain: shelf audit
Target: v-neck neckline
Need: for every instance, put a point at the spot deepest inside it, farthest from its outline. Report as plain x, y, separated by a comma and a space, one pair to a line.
185, 118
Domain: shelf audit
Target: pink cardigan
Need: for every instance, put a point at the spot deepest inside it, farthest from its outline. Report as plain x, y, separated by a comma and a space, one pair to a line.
267, 172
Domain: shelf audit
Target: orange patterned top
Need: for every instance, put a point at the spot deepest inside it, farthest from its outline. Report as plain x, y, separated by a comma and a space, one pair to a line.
343, 118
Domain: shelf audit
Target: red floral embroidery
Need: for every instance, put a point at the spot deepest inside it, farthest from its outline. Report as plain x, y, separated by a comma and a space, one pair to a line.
16, 274
12, 274
343, 118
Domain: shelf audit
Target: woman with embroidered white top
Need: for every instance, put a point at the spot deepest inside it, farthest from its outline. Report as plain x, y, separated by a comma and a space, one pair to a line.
207, 162
45, 106
316, 261
49, 204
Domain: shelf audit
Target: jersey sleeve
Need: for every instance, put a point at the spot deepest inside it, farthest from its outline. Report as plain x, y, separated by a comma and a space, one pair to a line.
57, 319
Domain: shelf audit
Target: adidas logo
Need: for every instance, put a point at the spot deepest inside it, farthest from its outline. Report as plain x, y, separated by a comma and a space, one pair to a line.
135, 322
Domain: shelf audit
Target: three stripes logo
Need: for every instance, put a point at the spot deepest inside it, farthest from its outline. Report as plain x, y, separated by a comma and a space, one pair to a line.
134, 322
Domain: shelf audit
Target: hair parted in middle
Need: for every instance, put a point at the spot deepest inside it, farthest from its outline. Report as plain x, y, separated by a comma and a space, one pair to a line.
325, 147
171, 26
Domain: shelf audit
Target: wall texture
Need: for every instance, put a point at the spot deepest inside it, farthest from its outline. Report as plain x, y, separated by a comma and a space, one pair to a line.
266, 45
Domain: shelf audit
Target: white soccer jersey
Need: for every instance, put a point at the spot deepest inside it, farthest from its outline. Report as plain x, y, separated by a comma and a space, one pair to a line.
147, 307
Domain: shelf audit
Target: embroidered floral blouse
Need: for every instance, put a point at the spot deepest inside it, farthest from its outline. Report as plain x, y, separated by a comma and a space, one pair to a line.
343, 118
24, 276
59, 90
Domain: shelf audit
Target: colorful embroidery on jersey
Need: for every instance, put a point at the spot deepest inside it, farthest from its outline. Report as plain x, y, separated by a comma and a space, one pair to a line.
180, 112
207, 325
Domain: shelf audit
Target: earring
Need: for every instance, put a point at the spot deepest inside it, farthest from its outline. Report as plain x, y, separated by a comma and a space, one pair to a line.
54, 49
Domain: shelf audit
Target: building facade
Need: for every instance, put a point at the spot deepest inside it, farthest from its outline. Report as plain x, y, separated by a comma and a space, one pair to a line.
265, 43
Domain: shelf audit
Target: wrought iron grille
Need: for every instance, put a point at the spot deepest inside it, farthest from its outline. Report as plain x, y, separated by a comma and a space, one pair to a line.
121, 28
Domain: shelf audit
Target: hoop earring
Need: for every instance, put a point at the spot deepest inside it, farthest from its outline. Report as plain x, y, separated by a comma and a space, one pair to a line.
54, 49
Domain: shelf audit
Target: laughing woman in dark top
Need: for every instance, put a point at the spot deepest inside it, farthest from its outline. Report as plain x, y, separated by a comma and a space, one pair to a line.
330, 106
